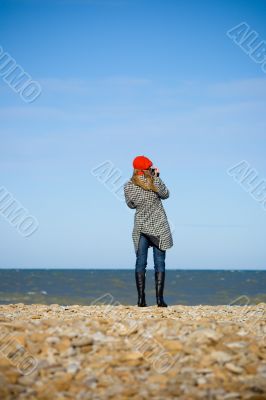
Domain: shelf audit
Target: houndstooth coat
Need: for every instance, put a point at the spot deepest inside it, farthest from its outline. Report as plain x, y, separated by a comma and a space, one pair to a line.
150, 217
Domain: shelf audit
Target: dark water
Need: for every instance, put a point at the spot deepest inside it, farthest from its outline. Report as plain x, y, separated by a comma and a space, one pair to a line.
187, 287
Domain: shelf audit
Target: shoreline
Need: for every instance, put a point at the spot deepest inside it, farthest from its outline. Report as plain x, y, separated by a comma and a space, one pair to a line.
116, 352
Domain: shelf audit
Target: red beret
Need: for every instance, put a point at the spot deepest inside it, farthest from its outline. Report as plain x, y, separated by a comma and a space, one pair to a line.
141, 162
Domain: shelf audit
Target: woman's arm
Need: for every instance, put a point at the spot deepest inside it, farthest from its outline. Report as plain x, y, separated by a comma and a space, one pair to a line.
163, 191
132, 195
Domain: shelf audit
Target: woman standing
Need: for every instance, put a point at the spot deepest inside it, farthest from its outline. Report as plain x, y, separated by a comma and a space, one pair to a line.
144, 192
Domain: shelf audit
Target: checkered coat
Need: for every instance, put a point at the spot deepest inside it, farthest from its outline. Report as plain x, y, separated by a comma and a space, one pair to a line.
150, 217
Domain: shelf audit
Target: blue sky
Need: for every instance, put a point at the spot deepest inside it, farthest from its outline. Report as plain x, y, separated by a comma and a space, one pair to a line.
122, 78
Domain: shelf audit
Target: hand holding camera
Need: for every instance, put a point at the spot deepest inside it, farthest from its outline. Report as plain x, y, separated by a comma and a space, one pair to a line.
154, 171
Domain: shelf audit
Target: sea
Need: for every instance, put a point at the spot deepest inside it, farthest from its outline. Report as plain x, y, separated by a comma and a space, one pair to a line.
118, 287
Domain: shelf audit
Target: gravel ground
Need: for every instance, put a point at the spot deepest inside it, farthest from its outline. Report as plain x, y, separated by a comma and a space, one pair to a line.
53, 352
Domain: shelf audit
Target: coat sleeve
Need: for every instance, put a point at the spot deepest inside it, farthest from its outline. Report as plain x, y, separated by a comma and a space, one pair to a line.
163, 192
132, 195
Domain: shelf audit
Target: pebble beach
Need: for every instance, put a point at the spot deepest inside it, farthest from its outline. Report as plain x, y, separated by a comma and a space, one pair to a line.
53, 352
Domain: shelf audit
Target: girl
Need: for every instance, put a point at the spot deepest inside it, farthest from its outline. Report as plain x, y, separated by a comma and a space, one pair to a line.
144, 192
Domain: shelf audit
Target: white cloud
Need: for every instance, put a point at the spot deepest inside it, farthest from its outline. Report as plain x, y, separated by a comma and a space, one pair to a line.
32, 112
246, 87
86, 86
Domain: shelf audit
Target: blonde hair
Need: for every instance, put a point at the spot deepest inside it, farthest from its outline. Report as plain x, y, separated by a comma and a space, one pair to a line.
147, 183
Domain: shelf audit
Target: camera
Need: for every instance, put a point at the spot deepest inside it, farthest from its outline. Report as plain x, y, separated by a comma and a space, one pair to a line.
153, 171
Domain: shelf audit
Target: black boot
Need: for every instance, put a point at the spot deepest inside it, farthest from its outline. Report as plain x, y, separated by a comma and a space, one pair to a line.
140, 282
159, 286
